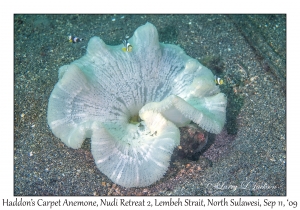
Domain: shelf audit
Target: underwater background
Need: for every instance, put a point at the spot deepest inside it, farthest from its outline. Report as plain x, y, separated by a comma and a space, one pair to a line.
247, 51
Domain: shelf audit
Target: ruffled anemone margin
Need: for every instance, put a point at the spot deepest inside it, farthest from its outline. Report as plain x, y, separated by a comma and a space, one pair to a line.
131, 104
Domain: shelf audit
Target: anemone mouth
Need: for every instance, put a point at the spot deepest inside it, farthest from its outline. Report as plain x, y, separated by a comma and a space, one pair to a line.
134, 119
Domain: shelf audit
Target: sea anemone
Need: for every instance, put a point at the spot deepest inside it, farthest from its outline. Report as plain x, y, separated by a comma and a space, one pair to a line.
131, 104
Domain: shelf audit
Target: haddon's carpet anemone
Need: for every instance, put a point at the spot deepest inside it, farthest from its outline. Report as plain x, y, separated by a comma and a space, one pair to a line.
131, 104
